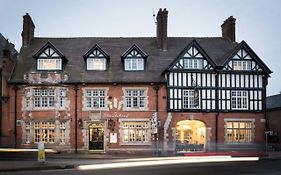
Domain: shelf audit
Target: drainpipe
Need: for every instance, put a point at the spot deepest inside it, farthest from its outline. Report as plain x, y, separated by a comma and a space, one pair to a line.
75, 115
217, 109
265, 82
15, 88
156, 87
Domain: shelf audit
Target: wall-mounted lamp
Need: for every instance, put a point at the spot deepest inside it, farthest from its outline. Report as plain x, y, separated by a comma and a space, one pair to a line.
80, 123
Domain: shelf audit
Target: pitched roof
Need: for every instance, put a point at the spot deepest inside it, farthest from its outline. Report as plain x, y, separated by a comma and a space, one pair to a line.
273, 102
3, 41
157, 61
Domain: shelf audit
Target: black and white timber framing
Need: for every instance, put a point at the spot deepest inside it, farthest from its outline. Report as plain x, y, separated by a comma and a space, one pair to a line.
241, 73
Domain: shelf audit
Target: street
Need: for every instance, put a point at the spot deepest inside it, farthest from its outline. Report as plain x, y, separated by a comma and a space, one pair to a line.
268, 166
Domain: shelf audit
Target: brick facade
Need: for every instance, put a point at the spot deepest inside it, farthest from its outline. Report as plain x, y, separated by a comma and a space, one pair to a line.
112, 110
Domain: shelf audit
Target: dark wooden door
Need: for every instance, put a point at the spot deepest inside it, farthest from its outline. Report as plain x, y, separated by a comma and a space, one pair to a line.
96, 134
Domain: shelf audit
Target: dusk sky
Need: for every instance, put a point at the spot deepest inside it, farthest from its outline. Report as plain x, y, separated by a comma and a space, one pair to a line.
257, 22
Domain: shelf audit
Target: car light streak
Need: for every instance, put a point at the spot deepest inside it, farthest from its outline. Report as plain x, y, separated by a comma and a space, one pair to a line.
25, 150
166, 161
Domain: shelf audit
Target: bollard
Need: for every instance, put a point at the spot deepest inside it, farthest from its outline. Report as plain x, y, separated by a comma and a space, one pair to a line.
41, 152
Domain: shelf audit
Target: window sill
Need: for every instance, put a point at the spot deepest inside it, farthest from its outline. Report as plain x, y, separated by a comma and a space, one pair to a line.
136, 144
135, 109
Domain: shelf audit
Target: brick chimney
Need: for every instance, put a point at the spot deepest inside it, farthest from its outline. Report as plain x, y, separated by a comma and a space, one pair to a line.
228, 28
28, 30
162, 21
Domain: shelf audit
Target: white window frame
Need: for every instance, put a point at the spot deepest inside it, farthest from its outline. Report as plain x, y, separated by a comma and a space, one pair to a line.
96, 63
192, 63
56, 64
242, 65
37, 127
126, 130
239, 100
92, 94
42, 128
44, 98
239, 131
188, 99
134, 64
133, 95
35, 99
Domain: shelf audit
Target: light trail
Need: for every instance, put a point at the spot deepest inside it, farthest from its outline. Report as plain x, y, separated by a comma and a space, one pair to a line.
166, 161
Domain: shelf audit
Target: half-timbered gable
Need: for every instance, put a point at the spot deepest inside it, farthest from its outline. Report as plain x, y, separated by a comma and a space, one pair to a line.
134, 59
96, 59
191, 80
49, 58
241, 82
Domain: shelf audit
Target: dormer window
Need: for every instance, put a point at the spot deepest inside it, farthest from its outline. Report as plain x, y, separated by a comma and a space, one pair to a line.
134, 59
96, 64
49, 58
96, 59
133, 64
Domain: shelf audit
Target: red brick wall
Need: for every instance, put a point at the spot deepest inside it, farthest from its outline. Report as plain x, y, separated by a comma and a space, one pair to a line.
274, 121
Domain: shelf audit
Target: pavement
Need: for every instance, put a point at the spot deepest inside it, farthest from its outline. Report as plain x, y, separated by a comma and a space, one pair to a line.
27, 160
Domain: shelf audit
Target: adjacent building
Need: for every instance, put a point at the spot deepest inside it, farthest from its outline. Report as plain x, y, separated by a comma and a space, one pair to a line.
7, 56
175, 94
274, 119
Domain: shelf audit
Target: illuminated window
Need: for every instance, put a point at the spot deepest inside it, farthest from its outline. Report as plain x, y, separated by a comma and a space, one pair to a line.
239, 131
27, 133
62, 133
190, 99
239, 99
135, 98
49, 60
44, 131
95, 99
135, 132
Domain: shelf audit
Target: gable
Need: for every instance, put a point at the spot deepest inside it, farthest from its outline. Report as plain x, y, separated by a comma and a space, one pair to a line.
134, 52
96, 52
48, 51
192, 57
244, 59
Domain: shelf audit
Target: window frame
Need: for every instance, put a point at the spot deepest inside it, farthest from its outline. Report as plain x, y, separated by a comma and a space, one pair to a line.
239, 98
190, 99
58, 65
242, 65
104, 98
130, 62
135, 129
237, 130
138, 98
104, 61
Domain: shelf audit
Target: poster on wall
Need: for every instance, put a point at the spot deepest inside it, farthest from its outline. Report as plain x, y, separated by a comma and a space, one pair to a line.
113, 137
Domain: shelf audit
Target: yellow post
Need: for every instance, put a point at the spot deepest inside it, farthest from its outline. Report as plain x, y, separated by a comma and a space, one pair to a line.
41, 152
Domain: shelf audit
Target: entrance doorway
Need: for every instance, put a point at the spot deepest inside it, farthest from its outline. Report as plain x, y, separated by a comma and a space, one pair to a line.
96, 136
190, 136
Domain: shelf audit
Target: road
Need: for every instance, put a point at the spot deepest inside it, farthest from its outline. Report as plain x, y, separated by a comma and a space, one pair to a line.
261, 167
